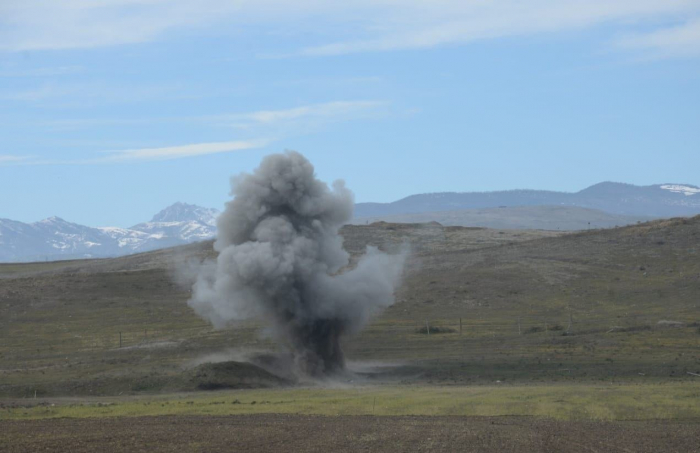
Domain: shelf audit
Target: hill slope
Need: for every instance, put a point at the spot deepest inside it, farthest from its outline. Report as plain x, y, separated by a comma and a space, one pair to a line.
563, 218
533, 306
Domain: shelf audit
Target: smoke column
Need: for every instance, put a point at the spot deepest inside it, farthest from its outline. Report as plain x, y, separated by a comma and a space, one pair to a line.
281, 260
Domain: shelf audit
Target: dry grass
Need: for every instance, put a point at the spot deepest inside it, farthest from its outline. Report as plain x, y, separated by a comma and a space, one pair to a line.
607, 290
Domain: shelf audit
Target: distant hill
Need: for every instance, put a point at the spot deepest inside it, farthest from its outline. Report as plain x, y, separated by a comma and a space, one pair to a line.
564, 218
661, 200
55, 238
603, 205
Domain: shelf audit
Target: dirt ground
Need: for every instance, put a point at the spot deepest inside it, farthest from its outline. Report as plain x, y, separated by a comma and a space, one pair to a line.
285, 433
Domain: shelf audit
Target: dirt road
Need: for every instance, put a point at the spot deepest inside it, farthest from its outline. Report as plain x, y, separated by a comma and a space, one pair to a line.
287, 433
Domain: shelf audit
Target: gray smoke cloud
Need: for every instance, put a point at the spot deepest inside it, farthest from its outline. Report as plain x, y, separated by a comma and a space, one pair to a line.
281, 260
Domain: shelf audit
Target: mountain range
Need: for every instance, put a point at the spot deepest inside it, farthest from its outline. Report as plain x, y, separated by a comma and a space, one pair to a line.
55, 238
603, 205
661, 200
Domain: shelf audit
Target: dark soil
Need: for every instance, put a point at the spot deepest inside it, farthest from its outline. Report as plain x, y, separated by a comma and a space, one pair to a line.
287, 433
233, 375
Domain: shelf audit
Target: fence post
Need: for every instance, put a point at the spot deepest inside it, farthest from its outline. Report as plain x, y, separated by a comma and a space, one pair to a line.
120, 339
460, 326
427, 327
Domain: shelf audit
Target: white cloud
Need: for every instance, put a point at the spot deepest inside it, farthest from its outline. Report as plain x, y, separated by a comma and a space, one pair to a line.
346, 27
681, 40
143, 154
176, 152
314, 113
459, 22
67, 24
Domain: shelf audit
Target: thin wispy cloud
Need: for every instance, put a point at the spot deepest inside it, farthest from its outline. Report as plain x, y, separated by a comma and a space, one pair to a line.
278, 123
41, 72
176, 152
315, 113
350, 27
129, 156
47, 91
96, 93
73, 124
11, 159
458, 22
334, 82
40, 24
273, 120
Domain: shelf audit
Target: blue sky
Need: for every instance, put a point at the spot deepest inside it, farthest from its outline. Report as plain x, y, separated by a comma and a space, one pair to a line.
111, 110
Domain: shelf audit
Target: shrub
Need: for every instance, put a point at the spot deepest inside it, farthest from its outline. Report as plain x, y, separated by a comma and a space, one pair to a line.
534, 329
434, 330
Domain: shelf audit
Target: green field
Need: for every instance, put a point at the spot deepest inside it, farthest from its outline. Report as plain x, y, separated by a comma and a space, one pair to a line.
565, 402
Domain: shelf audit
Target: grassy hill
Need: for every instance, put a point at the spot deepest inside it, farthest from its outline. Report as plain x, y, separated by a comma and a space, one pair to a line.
535, 306
562, 218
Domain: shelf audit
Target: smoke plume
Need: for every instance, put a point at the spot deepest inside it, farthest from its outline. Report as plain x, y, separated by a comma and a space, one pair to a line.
281, 260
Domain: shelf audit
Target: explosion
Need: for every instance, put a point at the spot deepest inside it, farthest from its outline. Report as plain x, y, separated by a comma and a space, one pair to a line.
281, 260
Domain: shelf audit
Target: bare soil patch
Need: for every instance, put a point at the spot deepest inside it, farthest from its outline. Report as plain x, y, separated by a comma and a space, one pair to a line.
285, 433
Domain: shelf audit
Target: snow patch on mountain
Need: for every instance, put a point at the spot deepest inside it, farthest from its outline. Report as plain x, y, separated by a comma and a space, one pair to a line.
685, 190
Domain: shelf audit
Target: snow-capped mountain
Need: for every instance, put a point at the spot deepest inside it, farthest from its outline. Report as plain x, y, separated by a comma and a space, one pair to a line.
183, 212
184, 221
55, 238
